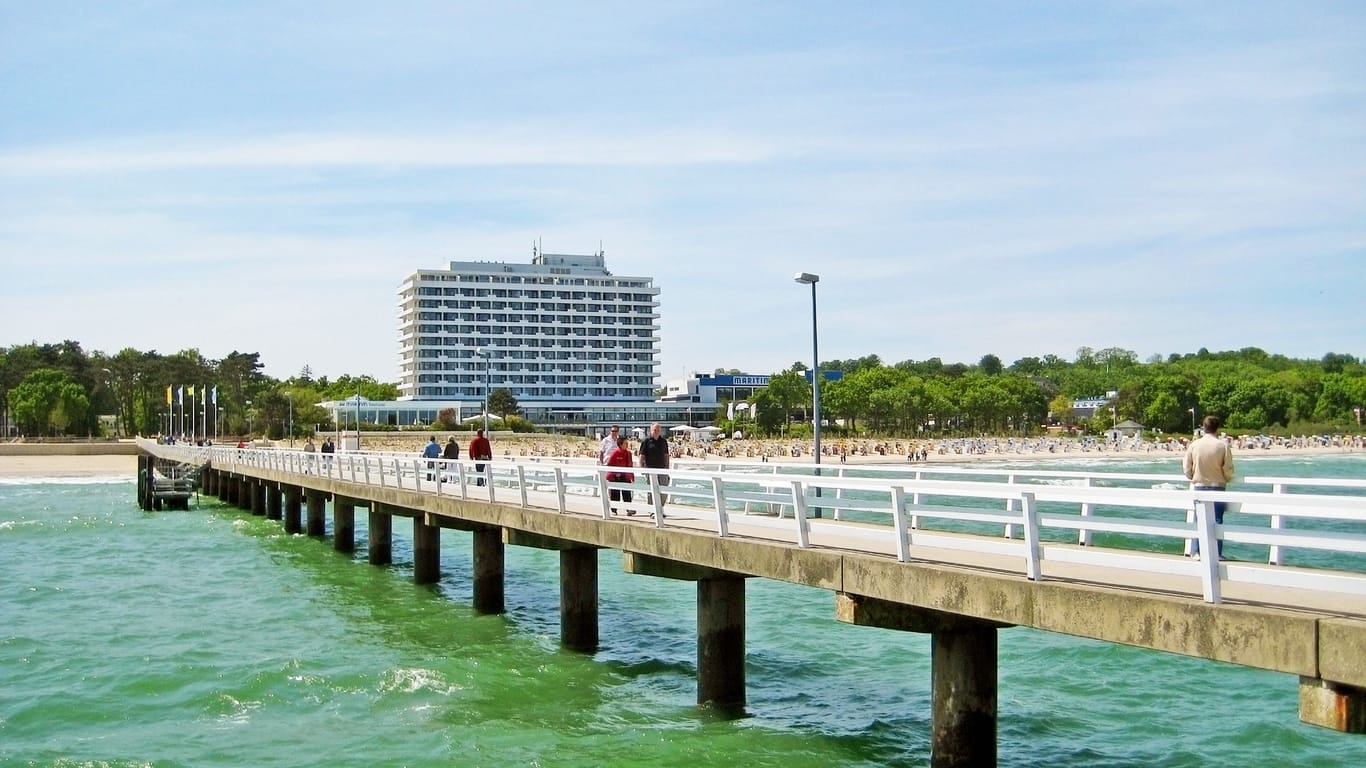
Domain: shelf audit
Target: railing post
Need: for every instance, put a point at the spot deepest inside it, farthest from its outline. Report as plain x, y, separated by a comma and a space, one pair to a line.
606, 494
1084, 534
1010, 507
656, 500
799, 515
903, 544
559, 488
1277, 523
1209, 550
521, 482
915, 501
718, 494
1033, 545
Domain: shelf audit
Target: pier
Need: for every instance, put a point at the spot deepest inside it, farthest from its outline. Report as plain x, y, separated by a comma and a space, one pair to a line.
949, 553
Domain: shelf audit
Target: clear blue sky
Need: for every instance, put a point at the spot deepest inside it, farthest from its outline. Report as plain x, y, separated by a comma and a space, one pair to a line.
1012, 178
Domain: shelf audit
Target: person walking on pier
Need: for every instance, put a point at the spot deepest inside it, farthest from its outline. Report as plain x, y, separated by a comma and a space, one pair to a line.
654, 453
431, 451
608, 444
621, 457
480, 451
451, 452
309, 450
328, 449
1208, 463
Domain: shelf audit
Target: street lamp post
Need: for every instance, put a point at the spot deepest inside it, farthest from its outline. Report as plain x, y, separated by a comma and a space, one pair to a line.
806, 278
1192, 412
249, 420
290, 396
484, 353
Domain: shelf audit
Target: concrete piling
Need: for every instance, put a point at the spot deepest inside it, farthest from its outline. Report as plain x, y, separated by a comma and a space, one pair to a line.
721, 643
381, 535
293, 508
426, 551
488, 570
317, 512
579, 599
343, 524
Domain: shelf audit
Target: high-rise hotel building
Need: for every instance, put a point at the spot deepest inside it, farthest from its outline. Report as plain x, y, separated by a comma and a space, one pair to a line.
560, 329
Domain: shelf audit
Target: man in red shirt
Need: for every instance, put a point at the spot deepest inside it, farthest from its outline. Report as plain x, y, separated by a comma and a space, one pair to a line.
621, 457
480, 450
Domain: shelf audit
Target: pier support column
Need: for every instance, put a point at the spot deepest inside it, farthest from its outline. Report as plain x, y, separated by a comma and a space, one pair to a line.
317, 512
343, 524
963, 725
273, 502
962, 671
206, 481
1332, 705
579, 599
143, 481
488, 570
244, 487
227, 489
258, 497
381, 535
293, 508
426, 551
721, 642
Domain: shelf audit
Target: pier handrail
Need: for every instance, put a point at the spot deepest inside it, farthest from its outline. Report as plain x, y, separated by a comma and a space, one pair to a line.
904, 517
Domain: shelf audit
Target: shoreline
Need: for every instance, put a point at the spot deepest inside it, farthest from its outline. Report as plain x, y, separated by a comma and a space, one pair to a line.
64, 464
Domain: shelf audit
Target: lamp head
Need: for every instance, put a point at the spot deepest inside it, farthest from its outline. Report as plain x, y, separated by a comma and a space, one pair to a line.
806, 278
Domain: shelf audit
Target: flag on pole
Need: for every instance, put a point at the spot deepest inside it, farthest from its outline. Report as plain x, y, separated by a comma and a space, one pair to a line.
168, 394
191, 393
213, 396
180, 396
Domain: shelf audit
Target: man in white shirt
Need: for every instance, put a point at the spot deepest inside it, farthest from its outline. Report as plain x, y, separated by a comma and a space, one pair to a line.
608, 444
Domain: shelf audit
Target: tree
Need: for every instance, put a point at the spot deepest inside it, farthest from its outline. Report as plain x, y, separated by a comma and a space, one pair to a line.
768, 414
48, 399
789, 390
448, 418
1061, 409
990, 365
503, 403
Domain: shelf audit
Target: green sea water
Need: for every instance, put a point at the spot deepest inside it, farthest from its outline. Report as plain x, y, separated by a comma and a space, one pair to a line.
211, 638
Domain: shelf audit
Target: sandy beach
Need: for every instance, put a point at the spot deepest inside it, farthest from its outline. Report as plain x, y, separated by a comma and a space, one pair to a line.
68, 466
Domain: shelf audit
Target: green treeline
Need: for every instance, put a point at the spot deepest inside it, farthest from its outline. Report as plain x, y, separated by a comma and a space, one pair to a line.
1253, 391
60, 389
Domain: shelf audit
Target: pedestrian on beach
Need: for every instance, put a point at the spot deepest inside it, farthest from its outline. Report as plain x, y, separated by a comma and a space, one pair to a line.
480, 450
608, 444
1208, 463
431, 451
654, 454
621, 457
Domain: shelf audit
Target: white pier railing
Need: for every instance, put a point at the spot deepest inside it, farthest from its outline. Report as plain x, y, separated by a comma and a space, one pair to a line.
1120, 523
